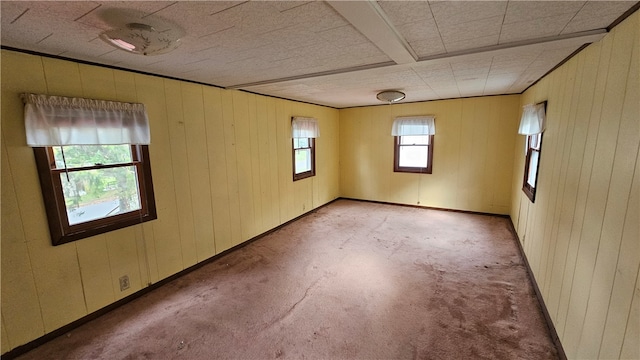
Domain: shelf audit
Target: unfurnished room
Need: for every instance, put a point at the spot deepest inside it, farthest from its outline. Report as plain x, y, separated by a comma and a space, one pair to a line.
320, 179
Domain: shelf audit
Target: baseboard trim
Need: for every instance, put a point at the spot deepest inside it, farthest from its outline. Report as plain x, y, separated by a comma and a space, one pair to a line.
552, 329
427, 207
22, 349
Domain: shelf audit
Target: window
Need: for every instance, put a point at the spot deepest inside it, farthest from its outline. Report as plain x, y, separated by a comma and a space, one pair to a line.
304, 131
93, 189
532, 163
413, 153
303, 158
532, 124
413, 144
93, 162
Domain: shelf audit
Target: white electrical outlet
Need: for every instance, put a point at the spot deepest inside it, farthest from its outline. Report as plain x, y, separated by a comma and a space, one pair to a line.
124, 282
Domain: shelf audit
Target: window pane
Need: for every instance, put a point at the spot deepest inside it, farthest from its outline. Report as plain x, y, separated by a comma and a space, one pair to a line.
413, 156
96, 194
533, 168
300, 143
414, 139
90, 155
303, 161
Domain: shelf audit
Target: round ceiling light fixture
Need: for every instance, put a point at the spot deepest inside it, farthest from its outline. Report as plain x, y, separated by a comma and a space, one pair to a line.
390, 96
143, 39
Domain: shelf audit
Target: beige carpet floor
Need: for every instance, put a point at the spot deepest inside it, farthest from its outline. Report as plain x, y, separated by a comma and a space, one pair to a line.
352, 280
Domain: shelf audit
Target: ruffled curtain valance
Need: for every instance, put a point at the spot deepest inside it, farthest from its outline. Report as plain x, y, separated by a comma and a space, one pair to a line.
413, 125
304, 127
533, 119
57, 120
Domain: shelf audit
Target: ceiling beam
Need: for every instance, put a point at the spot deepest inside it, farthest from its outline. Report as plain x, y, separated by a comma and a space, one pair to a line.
370, 20
575, 39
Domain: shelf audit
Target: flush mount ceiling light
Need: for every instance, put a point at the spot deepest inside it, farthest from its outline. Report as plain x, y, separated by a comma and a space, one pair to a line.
390, 96
142, 39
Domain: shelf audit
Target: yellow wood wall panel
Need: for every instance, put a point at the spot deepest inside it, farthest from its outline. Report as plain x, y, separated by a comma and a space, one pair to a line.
97, 82
578, 236
285, 168
60, 298
122, 250
179, 159
596, 203
62, 77
569, 100
95, 270
168, 252
587, 77
625, 276
631, 342
628, 258
262, 164
125, 85
232, 168
217, 168
20, 307
274, 160
203, 141
594, 53
198, 162
4, 340
244, 166
256, 174
624, 161
470, 172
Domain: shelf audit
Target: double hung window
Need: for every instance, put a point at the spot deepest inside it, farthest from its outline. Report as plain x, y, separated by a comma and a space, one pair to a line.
532, 124
93, 163
304, 131
413, 144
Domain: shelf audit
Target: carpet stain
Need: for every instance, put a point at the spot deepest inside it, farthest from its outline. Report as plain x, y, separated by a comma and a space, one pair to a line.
353, 280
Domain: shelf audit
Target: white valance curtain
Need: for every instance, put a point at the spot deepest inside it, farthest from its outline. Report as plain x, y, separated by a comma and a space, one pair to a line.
413, 125
304, 127
533, 119
57, 120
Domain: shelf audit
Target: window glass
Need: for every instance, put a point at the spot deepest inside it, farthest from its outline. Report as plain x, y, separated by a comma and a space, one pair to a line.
303, 158
93, 189
100, 193
413, 153
75, 156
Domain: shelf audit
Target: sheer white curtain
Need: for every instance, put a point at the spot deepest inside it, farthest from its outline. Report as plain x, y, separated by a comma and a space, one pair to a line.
57, 120
533, 119
413, 125
304, 127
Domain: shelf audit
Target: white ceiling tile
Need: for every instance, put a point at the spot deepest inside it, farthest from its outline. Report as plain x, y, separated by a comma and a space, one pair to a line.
473, 43
531, 29
237, 42
427, 47
449, 13
597, 15
470, 30
403, 12
418, 30
521, 11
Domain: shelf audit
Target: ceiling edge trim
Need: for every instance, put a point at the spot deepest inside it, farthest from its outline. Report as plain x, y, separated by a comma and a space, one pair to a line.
35, 53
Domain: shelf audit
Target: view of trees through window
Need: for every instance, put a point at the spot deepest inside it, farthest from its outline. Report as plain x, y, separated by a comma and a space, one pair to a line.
98, 181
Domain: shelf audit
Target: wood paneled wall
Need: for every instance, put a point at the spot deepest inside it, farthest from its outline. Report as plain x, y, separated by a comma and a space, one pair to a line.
221, 163
581, 235
472, 159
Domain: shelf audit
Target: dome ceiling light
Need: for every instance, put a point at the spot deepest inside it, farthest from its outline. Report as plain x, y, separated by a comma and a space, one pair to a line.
142, 39
390, 96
